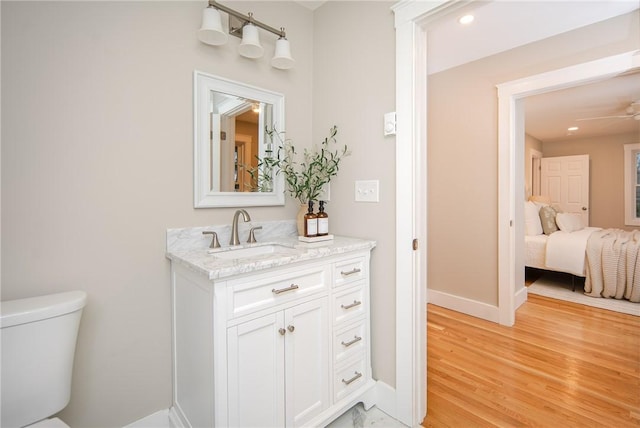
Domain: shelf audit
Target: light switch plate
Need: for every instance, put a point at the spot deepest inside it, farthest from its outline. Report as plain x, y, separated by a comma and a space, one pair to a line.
390, 123
367, 191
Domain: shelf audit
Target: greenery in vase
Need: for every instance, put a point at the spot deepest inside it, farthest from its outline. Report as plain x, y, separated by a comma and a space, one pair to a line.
262, 175
305, 178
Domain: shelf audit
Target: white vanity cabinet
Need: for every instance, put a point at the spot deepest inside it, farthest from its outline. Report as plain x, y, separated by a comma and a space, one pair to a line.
279, 379
286, 346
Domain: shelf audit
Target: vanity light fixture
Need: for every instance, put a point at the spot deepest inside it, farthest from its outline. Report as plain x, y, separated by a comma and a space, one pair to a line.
240, 25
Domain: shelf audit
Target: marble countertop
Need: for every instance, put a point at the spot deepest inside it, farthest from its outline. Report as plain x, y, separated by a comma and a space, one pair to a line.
190, 248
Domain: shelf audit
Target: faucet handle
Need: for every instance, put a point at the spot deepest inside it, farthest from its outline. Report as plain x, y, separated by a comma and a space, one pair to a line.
252, 235
214, 239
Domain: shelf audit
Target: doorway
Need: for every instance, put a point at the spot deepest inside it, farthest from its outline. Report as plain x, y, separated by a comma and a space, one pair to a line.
511, 145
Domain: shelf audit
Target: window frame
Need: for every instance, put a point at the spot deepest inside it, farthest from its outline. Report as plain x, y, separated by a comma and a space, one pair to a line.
630, 184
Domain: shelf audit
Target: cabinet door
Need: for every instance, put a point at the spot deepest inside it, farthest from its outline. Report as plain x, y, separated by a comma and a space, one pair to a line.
307, 361
256, 372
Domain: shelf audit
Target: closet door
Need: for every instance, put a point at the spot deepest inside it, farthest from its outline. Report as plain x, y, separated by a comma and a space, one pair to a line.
565, 180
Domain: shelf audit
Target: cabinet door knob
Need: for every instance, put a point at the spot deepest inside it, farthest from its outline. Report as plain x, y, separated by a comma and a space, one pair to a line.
291, 328
282, 331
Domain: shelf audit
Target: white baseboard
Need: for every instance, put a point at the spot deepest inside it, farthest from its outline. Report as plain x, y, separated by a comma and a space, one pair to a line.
159, 419
521, 297
382, 395
386, 399
464, 305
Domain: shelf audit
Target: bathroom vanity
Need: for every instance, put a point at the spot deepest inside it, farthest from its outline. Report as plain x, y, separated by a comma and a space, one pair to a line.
273, 334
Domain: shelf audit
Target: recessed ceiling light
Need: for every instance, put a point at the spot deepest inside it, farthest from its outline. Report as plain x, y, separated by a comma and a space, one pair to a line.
572, 128
466, 19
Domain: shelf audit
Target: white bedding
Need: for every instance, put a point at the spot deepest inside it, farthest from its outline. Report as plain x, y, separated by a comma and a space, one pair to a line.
534, 251
566, 251
560, 251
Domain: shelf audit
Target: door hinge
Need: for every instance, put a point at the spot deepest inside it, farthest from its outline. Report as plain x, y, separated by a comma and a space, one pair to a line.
415, 244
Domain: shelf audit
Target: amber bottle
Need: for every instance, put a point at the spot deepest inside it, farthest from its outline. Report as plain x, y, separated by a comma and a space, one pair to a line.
323, 221
310, 222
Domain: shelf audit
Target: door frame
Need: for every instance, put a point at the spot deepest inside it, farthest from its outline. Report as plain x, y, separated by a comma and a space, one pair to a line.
511, 151
534, 158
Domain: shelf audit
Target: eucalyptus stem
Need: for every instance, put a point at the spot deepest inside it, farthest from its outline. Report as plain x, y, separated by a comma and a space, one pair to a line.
305, 179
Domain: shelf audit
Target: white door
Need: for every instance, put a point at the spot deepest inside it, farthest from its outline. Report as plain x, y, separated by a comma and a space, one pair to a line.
307, 361
256, 372
565, 180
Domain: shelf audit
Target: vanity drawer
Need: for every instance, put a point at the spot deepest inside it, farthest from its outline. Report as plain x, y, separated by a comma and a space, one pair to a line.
349, 378
349, 271
261, 291
349, 342
349, 304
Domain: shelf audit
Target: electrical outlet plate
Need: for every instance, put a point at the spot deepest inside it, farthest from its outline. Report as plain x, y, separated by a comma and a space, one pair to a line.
367, 191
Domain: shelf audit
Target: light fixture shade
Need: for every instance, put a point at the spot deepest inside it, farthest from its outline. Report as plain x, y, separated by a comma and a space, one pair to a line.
250, 45
211, 31
282, 57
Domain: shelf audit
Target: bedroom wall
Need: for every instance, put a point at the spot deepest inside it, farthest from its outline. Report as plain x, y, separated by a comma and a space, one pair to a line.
462, 151
606, 175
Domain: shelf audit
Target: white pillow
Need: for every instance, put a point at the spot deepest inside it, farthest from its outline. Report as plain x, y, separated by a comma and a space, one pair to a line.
532, 225
569, 222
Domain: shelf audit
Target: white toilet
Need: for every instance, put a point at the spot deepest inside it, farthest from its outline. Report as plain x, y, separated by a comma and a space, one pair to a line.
38, 337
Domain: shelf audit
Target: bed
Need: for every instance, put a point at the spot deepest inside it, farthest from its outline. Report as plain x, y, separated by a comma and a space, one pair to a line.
555, 241
559, 252
608, 259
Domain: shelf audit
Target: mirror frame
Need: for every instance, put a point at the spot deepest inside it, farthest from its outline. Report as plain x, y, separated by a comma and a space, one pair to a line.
203, 84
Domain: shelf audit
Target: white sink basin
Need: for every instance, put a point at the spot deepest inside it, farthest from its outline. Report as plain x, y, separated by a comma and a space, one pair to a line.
253, 252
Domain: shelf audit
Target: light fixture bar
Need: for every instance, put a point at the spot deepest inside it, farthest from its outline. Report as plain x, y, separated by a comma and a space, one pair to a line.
246, 18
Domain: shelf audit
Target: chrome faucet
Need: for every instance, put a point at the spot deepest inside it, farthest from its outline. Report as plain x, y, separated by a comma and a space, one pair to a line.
234, 226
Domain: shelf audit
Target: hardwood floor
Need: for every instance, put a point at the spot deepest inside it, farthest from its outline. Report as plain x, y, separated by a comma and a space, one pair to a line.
561, 365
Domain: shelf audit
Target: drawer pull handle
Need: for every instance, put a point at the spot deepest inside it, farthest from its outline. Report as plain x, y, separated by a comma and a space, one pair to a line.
291, 328
351, 272
356, 339
282, 331
352, 305
357, 376
284, 290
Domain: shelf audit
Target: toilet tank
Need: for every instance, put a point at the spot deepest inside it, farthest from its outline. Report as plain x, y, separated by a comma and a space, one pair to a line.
38, 339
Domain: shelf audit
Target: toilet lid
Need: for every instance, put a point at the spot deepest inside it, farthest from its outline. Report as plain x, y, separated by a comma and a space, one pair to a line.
49, 423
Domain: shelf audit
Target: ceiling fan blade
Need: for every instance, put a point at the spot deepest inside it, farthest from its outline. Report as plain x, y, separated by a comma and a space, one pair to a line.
626, 116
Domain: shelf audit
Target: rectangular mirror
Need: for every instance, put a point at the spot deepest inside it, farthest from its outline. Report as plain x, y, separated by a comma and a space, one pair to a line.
230, 123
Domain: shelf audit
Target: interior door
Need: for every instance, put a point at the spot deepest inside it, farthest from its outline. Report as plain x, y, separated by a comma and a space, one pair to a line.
565, 180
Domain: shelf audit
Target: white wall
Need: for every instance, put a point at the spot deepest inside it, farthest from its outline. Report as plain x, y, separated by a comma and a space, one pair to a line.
354, 85
97, 164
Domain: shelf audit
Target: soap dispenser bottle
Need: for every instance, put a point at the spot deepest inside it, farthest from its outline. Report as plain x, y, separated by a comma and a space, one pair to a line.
323, 221
310, 222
